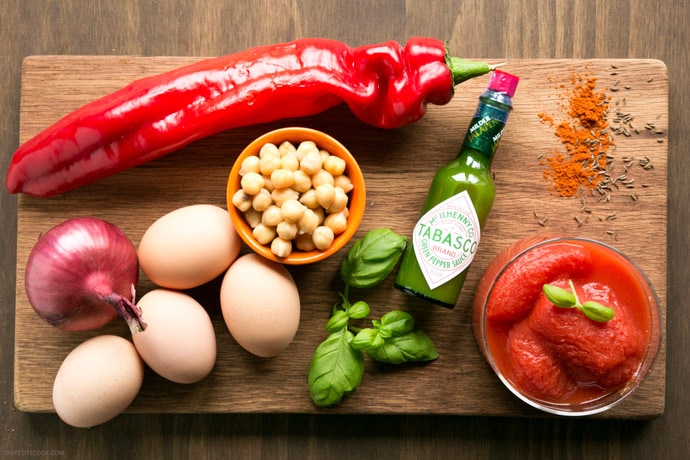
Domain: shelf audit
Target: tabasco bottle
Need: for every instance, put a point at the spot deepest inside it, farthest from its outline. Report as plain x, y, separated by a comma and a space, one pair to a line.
446, 237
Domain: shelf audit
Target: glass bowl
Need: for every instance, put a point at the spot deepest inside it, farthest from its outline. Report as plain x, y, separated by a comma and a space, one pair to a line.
499, 338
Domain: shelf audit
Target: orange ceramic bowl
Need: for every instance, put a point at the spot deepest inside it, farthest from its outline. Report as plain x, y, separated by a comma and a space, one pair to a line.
356, 197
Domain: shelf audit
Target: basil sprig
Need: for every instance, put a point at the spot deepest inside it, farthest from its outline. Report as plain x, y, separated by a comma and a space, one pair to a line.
337, 366
371, 259
563, 298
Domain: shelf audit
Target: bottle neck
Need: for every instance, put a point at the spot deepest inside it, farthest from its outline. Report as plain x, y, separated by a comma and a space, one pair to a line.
487, 125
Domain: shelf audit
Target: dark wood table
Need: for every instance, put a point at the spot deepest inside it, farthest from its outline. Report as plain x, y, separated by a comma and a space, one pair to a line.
487, 29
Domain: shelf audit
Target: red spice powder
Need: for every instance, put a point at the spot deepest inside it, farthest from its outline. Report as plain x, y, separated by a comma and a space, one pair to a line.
585, 135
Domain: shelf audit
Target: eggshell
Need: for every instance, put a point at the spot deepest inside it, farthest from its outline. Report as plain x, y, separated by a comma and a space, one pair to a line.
97, 381
189, 246
179, 342
260, 304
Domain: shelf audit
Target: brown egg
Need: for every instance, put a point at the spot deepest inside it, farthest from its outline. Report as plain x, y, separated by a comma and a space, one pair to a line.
260, 305
97, 381
179, 342
189, 246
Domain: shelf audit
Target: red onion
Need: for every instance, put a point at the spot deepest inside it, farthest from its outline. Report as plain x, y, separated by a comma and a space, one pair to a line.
81, 274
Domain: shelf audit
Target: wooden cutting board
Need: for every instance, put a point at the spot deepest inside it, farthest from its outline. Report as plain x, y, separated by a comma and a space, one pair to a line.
398, 167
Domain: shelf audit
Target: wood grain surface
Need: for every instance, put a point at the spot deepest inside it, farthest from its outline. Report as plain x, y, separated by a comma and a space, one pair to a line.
494, 29
398, 166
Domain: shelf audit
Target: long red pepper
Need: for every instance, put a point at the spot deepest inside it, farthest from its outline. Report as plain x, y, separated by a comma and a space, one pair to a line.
384, 85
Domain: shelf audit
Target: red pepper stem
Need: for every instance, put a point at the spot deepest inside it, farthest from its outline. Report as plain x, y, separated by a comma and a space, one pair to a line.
463, 69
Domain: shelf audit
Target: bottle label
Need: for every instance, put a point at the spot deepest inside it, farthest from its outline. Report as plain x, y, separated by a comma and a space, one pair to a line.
445, 239
486, 129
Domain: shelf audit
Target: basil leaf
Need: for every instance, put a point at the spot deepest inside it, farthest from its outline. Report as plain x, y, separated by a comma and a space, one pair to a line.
367, 339
413, 346
371, 259
337, 322
397, 323
559, 297
358, 310
335, 370
597, 312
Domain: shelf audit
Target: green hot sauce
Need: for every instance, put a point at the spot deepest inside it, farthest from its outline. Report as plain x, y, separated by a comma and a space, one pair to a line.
446, 237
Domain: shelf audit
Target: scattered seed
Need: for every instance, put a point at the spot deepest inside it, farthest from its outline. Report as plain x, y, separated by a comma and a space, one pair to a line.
612, 233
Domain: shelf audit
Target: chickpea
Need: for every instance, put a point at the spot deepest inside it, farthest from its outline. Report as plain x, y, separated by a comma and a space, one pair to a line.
282, 178
311, 162
287, 230
321, 214
268, 164
334, 165
269, 149
242, 200
308, 222
339, 201
263, 233
268, 184
253, 217
321, 177
336, 222
281, 247
281, 195
286, 147
249, 164
304, 242
324, 155
344, 182
309, 199
292, 210
289, 161
325, 194
262, 200
305, 147
272, 216
323, 237
252, 183
302, 182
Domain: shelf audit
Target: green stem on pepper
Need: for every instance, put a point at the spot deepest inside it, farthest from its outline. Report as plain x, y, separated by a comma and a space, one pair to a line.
462, 69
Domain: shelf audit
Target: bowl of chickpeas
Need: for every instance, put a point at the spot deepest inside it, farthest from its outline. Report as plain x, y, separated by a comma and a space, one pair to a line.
296, 195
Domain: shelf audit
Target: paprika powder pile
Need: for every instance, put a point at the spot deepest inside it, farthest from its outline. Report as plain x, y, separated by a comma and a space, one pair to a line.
586, 137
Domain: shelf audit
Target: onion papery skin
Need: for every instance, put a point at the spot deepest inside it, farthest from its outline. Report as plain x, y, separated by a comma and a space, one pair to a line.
81, 274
